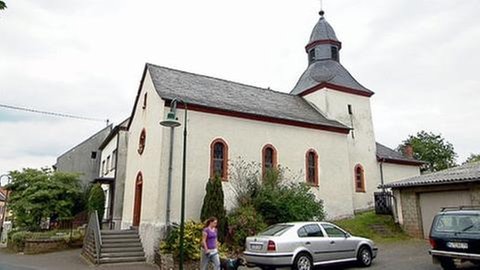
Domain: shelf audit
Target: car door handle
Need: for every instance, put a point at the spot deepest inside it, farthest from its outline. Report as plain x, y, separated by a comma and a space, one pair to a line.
332, 242
307, 243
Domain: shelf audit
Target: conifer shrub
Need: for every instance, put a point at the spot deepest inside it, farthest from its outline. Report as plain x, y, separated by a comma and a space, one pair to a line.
213, 206
96, 201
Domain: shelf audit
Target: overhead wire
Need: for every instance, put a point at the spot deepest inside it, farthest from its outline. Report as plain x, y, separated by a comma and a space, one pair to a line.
53, 113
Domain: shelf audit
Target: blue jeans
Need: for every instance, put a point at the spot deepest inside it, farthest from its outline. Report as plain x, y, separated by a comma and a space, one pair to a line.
210, 257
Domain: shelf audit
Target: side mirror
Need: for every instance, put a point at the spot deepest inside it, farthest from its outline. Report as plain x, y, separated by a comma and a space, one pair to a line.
347, 235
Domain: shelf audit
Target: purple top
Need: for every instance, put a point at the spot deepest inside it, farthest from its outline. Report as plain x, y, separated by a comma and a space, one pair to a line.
211, 238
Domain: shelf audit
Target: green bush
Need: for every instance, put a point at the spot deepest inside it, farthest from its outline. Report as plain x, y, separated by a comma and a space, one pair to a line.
96, 201
192, 240
243, 222
17, 240
292, 202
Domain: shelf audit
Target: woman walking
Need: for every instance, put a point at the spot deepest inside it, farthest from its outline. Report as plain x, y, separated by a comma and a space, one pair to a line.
209, 245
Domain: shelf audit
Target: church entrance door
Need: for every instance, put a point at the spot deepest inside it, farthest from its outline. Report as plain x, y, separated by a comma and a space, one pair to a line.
137, 207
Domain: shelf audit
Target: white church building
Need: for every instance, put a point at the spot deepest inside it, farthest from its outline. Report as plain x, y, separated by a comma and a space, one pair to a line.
322, 131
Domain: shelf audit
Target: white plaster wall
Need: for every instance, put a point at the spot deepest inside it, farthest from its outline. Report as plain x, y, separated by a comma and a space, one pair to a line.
108, 151
361, 147
149, 164
394, 172
245, 139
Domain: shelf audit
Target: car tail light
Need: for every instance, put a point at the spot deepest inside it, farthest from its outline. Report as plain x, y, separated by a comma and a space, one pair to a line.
271, 246
433, 243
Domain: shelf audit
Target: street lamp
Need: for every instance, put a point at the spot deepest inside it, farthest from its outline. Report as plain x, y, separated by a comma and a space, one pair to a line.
9, 178
172, 122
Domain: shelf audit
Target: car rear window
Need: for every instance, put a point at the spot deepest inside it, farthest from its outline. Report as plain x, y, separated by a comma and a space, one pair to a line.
457, 223
276, 230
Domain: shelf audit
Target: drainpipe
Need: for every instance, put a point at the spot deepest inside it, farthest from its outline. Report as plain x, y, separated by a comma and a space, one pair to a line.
169, 183
381, 174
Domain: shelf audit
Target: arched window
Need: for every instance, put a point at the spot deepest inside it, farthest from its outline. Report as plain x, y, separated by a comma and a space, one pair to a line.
141, 142
219, 159
359, 178
269, 158
311, 164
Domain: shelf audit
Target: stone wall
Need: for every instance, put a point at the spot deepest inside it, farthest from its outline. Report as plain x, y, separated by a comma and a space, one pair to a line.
44, 245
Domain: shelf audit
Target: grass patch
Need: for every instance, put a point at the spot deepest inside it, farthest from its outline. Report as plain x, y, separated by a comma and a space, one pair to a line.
363, 225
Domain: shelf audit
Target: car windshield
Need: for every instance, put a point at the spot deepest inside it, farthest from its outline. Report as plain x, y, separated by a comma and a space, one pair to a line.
276, 230
458, 223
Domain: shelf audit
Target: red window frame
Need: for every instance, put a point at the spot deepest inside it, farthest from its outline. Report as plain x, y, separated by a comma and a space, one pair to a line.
224, 173
311, 153
274, 158
359, 176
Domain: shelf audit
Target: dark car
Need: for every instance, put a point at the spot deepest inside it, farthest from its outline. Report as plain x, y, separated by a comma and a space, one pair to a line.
455, 234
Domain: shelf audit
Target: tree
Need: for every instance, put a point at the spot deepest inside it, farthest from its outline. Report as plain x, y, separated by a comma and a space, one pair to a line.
431, 148
213, 205
96, 201
472, 158
38, 195
3, 5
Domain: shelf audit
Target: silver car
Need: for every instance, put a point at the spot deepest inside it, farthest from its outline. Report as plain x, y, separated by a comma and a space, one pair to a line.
302, 245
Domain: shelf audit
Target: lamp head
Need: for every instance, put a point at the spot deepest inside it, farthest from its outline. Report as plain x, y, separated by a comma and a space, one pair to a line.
171, 121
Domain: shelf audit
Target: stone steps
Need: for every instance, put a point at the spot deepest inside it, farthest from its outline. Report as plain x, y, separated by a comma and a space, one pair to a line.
117, 247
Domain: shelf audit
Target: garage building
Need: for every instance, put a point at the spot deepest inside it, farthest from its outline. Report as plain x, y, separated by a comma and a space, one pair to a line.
418, 199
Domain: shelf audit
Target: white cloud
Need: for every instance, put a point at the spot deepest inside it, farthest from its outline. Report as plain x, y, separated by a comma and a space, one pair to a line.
86, 57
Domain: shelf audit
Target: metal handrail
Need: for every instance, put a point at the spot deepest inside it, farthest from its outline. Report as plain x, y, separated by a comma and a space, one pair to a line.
94, 227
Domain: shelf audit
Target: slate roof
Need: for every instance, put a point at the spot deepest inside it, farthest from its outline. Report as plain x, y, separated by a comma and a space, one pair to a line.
327, 71
235, 97
322, 31
462, 174
390, 155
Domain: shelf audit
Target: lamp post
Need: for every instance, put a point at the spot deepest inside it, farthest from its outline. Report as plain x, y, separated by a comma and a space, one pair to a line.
172, 122
9, 178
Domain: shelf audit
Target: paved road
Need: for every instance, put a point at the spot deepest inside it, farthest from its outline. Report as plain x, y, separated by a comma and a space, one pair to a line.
408, 255
64, 260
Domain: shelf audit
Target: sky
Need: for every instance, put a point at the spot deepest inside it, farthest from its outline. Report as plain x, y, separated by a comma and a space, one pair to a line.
86, 57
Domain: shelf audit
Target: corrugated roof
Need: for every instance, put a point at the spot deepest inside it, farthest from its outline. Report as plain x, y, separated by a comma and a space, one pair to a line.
231, 96
389, 155
2, 196
462, 174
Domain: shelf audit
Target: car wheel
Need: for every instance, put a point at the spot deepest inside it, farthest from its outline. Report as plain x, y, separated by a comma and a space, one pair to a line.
447, 264
364, 256
303, 261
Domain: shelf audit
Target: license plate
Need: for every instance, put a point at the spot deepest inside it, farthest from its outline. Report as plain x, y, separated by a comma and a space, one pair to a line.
458, 245
255, 246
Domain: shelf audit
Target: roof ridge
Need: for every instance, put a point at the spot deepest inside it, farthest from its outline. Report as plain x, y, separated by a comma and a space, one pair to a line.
220, 79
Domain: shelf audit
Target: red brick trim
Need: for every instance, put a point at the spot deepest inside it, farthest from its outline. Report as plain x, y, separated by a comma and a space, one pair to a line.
336, 87
274, 157
142, 141
205, 109
362, 178
224, 175
323, 41
315, 179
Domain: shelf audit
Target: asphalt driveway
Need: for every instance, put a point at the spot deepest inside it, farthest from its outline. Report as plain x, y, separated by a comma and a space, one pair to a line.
405, 255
